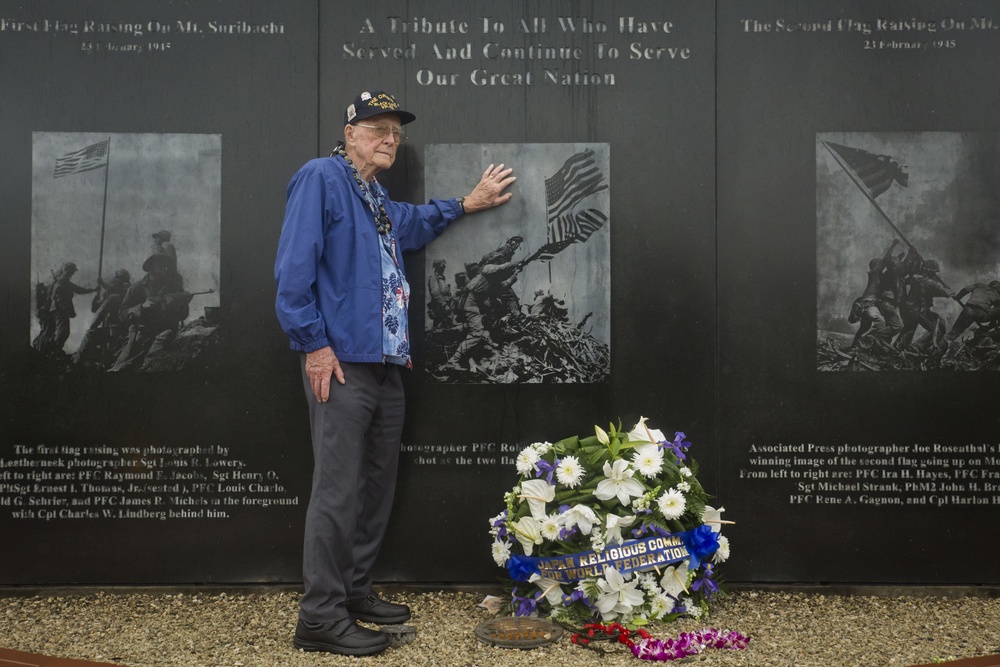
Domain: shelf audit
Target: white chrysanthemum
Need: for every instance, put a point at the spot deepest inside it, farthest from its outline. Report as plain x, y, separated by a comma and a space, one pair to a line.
648, 460
659, 605
684, 486
671, 504
542, 448
569, 471
722, 554
501, 552
551, 527
526, 461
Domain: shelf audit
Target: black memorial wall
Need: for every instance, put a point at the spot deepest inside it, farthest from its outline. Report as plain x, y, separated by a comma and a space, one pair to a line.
712, 296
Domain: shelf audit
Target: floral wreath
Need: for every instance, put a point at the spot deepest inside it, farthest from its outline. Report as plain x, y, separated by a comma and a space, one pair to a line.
612, 527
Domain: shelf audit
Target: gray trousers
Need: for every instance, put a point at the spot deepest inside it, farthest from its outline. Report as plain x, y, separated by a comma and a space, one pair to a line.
356, 437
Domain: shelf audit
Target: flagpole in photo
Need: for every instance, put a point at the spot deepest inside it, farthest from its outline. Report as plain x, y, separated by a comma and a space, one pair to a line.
92, 157
104, 217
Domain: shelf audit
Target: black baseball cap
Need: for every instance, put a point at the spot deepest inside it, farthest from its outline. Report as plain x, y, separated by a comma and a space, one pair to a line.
373, 103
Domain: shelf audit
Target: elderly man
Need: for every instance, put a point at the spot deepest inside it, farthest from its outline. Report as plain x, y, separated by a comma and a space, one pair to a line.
342, 299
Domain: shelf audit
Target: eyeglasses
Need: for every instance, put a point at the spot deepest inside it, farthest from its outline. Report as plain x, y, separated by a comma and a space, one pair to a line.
382, 131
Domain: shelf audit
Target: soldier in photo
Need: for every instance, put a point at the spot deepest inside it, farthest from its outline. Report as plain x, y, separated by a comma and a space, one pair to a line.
55, 309
107, 332
440, 306
981, 308
154, 309
917, 309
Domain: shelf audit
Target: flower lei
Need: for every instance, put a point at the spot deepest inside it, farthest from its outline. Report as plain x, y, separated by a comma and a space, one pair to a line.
382, 222
648, 647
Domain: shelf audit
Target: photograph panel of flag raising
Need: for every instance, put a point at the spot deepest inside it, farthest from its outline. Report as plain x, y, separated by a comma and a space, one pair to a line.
526, 297
908, 251
125, 247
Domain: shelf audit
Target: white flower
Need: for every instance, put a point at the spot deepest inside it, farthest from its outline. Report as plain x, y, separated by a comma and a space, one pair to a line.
642, 433
528, 533
618, 482
713, 517
602, 435
684, 486
671, 504
684, 470
659, 605
551, 589
722, 553
526, 461
693, 610
501, 552
569, 471
537, 492
542, 448
551, 527
648, 460
613, 528
580, 516
597, 542
648, 582
641, 503
495, 524
674, 580
617, 596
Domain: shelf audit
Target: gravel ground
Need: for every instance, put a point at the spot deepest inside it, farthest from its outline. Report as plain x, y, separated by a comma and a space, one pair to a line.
254, 629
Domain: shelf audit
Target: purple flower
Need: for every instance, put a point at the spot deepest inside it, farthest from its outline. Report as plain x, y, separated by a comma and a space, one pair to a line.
650, 528
525, 605
706, 582
544, 467
501, 523
678, 446
577, 596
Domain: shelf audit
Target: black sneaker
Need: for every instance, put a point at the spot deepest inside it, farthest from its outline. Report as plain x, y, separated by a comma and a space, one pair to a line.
344, 637
374, 609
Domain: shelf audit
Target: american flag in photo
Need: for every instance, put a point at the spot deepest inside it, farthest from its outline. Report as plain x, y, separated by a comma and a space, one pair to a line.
85, 159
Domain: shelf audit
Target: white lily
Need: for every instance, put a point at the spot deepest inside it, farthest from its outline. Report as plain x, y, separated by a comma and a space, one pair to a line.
528, 532
618, 482
551, 589
642, 433
602, 435
617, 596
613, 529
674, 580
538, 492
580, 516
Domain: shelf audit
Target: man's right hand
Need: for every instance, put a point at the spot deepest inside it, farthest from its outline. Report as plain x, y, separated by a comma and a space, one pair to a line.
321, 365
